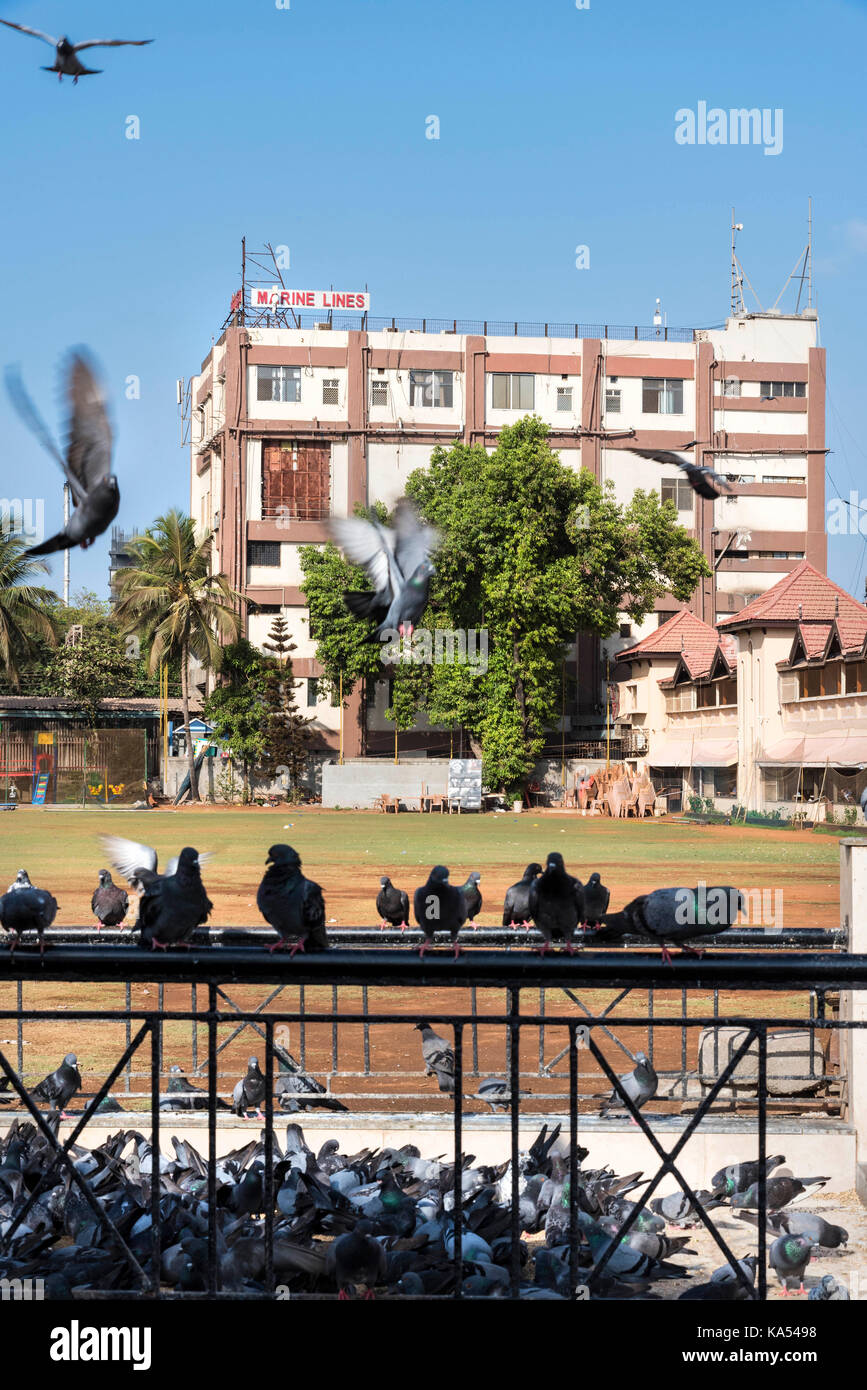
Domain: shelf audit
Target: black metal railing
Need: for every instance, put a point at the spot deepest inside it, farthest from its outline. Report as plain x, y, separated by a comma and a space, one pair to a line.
515, 976
263, 317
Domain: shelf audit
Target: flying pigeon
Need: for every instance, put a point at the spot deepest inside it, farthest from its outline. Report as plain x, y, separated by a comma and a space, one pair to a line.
439, 1058
439, 906
22, 880
27, 909
392, 904
678, 915
596, 900
397, 562
472, 895
790, 1256
183, 1095
640, 1085
702, 480
109, 903
828, 1290
87, 465
516, 904
556, 904
60, 1086
739, 1176
66, 61
173, 904
292, 904
249, 1092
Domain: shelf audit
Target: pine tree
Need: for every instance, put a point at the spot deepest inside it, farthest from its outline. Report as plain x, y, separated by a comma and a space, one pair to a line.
287, 733
279, 642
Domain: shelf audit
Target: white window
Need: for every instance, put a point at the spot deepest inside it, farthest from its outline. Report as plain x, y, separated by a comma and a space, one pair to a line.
330, 390
731, 386
775, 389
278, 384
431, 388
513, 390
662, 395
678, 491
612, 400
379, 391
564, 397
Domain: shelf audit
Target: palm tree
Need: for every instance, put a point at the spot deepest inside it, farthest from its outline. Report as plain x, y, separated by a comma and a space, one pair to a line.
25, 608
170, 598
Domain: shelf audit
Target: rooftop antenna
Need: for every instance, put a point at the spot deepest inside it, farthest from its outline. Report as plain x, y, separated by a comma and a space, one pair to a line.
660, 319
738, 306
802, 269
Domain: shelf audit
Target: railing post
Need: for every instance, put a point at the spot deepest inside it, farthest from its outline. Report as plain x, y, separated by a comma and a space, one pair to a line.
853, 1003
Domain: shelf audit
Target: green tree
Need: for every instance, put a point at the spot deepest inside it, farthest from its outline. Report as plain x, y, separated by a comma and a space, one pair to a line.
237, 709
93, 666
279, 642
346, 646
287, 731
172, 601
26, 609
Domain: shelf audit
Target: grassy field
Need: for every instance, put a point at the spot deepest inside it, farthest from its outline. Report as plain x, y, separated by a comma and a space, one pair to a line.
346, 852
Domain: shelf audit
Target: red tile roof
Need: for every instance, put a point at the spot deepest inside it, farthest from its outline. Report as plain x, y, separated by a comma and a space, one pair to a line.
814, 637
684, 632
805, 596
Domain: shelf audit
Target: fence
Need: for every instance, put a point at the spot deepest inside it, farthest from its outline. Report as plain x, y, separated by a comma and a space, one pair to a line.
499, 328
71, 766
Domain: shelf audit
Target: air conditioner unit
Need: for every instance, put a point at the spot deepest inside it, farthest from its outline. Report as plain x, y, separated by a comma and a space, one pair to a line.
640, 740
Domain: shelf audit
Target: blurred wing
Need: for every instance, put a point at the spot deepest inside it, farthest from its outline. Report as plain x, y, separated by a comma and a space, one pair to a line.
664, 456
413, 542
127, 856
31, 417
88, 452
370, 545
37, 33
172, 866
102, 43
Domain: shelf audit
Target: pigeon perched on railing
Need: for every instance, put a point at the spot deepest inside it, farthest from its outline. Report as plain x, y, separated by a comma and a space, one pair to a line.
25, 908
392, 904
516, 904
292, 904
439, 906
472, 896
640, 1085
556, 904
22, 880
172, 904
110, 902
66, 61
703, 480
60, 1086
596, 900
183, 1095
676, 916
87, 463
397, 562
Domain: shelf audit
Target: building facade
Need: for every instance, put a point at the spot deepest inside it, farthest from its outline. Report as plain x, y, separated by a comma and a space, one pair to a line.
292, 423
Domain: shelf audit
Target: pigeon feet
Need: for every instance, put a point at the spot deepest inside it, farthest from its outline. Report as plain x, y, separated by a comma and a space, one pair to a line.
571, 949
666, 955
343, 1296
299, 946
457, 950
543, 949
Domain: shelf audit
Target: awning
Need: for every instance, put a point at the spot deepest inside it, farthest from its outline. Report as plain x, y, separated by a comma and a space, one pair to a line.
839, 748
694, 752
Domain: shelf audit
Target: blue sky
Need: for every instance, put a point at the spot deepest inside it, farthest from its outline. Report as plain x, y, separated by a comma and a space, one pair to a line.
305, 126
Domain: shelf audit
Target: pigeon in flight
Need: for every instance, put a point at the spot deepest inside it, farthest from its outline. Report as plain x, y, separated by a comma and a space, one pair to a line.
87, 465
702, 480
516, 904
557, 904
439, 906
25, 908
109, 903
66, 60
60, 1086
392, 904
292, 904
640, 1085
397, 562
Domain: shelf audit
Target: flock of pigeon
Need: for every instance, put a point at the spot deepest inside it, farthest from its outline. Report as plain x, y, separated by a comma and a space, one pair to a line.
173, 904
379, 1221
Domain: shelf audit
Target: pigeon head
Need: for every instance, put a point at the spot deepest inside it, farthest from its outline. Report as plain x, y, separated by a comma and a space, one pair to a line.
253, 1063
555, 861
421, 1025
188, 859
439, 874
642, 1058
284, 854
532, 870
594, 879
70, 1059
104, 878
385, 881
176, 1069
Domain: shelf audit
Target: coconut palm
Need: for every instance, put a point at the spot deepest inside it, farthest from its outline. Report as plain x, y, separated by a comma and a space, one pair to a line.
169, 597
25, 607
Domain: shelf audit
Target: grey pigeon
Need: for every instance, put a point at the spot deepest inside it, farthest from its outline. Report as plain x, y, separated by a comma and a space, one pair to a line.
640, 1085
724, 1286
556, 903
183, 1095
516, 905
87, 464
66, 61
60, 1086
828, 1290
392, 904
780, 1190
295, 1090
790, 1256
472, 895
27, 909
797, 1222
439, 906
677, 915
22, 880
680, 1211
173, 905
596, 900
250, 1091
397, 562
702, 480
110, 902
439, 1058
495, 1090
355, 1258
737, 1177
292, 904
